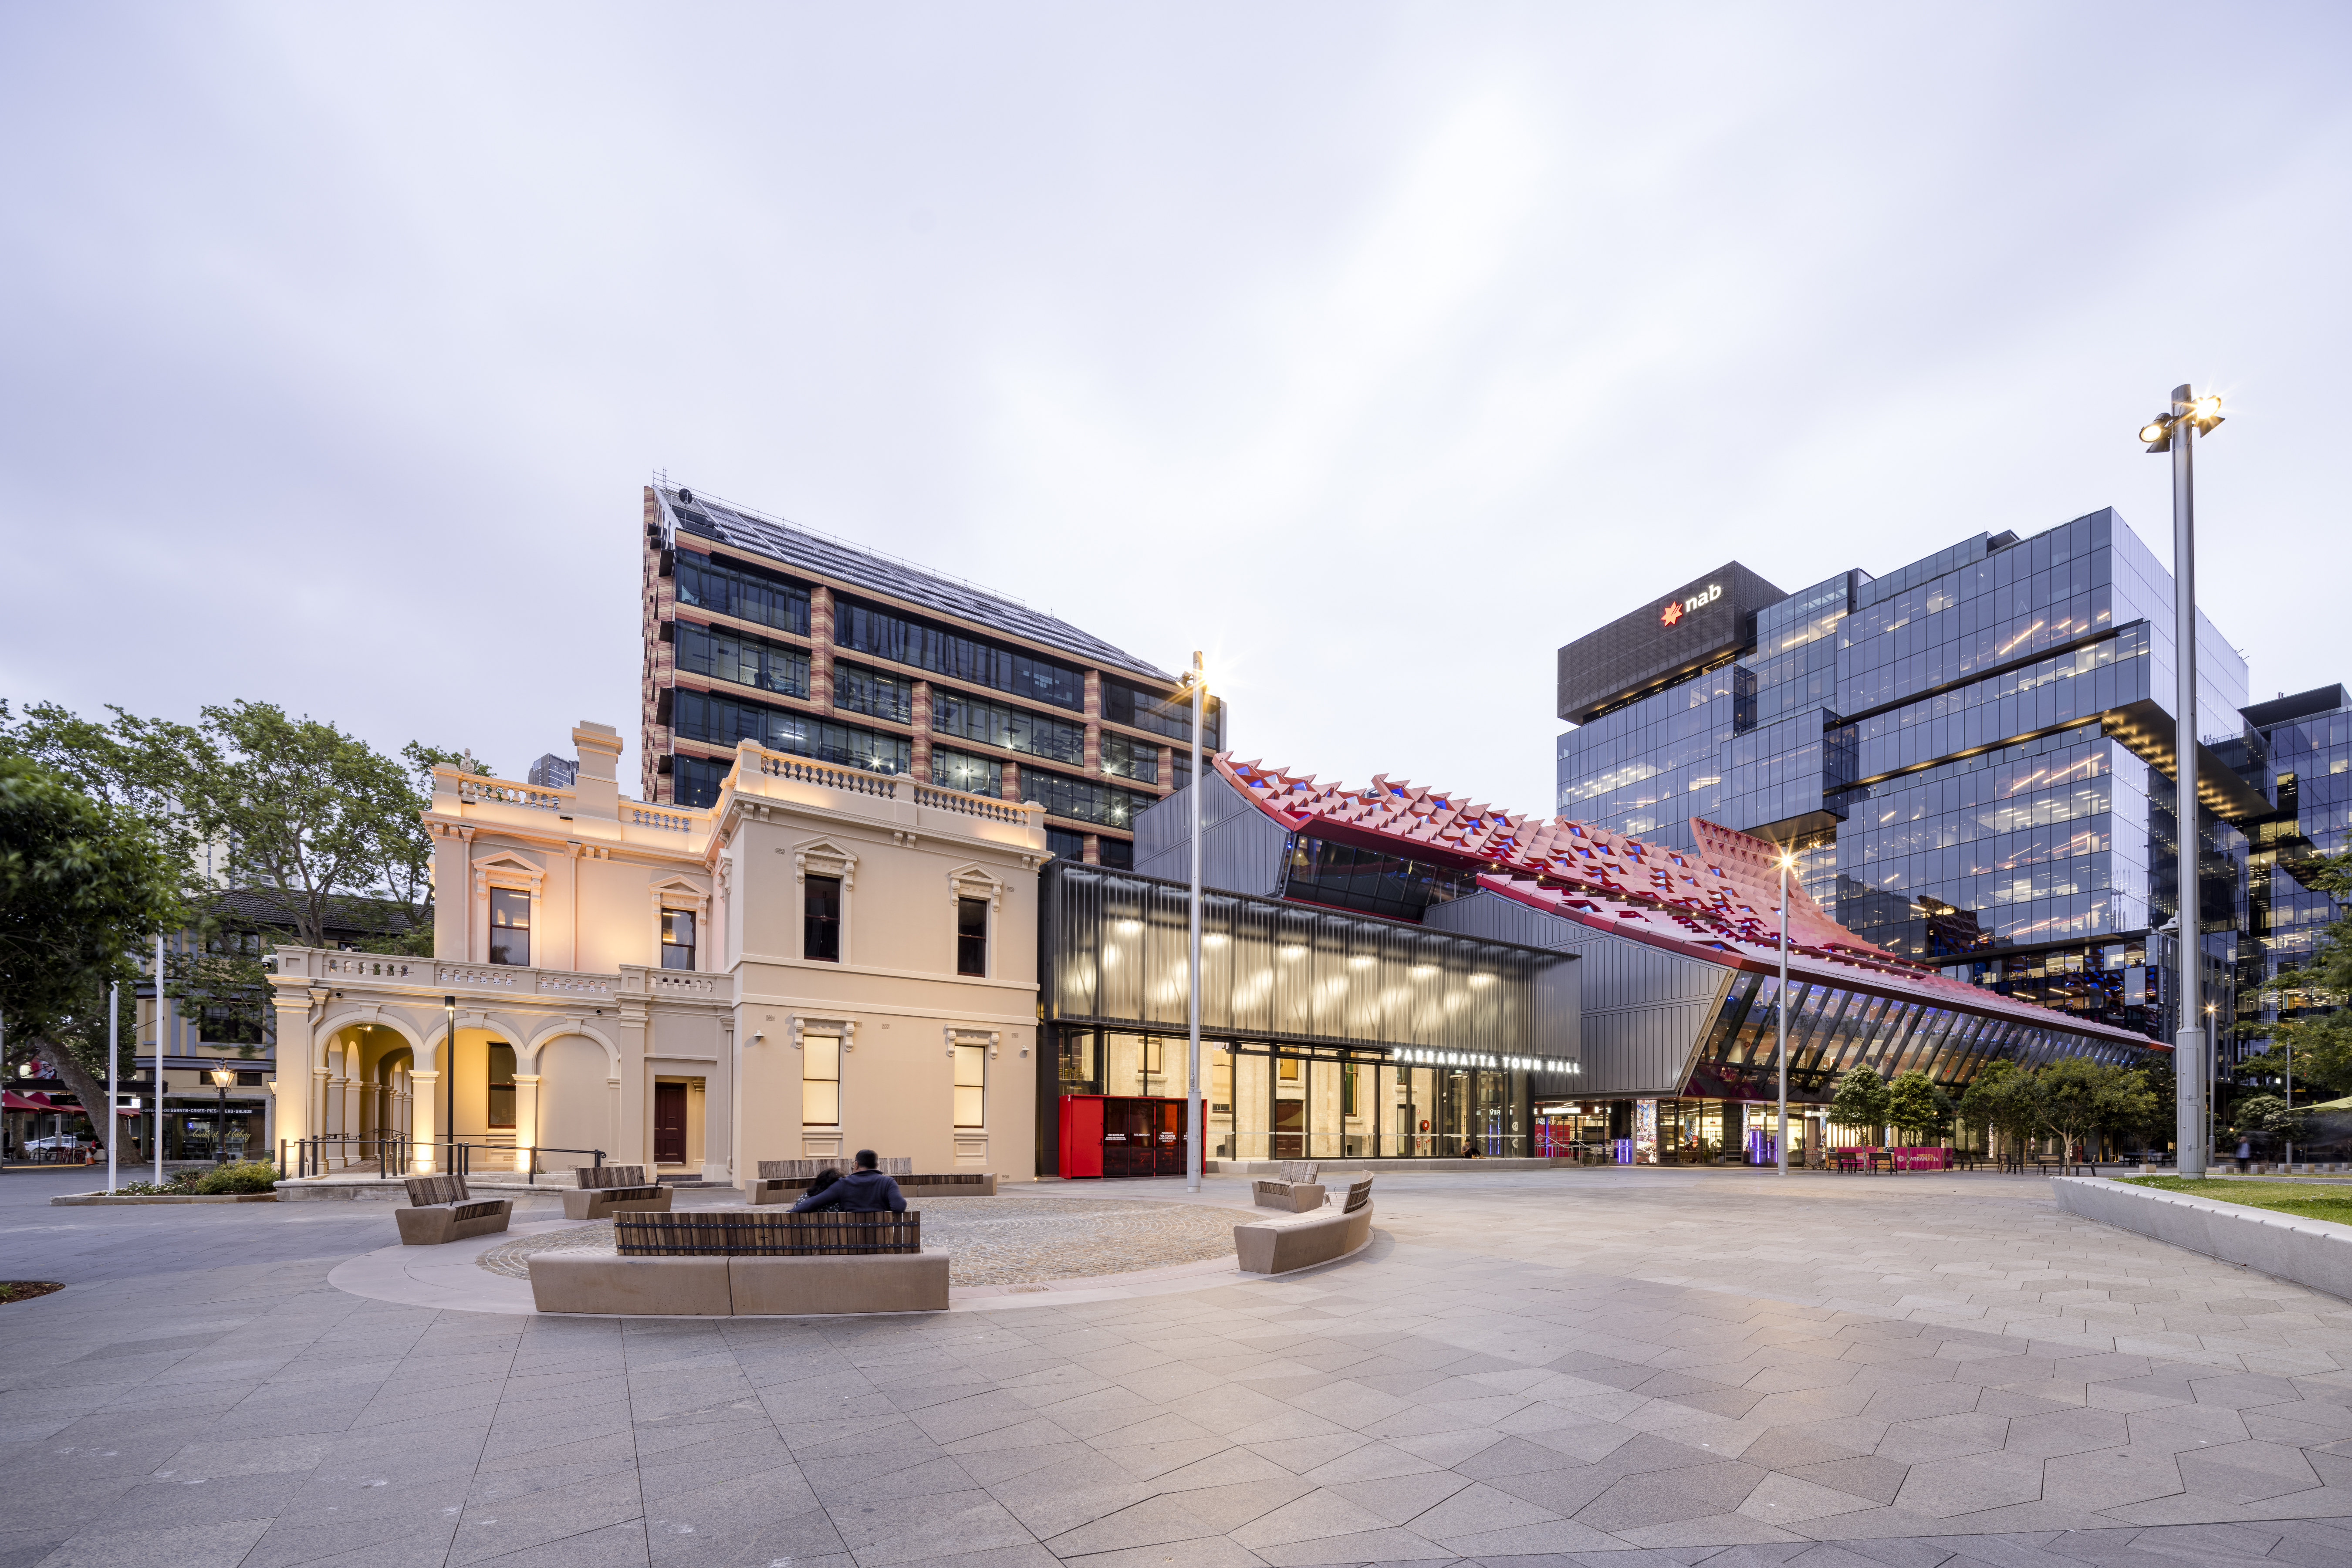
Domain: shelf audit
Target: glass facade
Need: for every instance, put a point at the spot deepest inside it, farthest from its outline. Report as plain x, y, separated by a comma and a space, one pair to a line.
1083, 800
1344, 877
743, 591
743, 660
723, 721
906, 639
1950, 749
1325, 1034
2305, 759
1014, 728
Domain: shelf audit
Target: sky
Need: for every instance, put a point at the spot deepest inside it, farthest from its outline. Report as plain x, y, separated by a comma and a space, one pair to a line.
1375, 351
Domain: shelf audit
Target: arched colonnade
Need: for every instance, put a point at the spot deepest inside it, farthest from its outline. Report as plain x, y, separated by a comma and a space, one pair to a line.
381, 1074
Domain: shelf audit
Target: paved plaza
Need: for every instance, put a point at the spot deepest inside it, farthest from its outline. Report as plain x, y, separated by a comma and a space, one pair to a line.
1631, 1367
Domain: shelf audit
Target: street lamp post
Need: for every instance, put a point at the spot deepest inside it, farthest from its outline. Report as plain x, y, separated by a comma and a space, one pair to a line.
222, 1078
2176, 431
1780, 1007
1195, 1124
114, 1078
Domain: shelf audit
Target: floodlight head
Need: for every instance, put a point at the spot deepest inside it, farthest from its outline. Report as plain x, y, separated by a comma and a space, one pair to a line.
2155, 430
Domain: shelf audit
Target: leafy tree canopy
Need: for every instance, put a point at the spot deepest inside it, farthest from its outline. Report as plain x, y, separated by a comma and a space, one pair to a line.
1861, 1099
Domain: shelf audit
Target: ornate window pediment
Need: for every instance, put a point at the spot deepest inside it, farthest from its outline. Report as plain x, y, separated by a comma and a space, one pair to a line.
825, 858
977, 882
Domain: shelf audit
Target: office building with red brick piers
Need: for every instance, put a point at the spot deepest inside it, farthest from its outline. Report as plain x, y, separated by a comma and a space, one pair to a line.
758, 629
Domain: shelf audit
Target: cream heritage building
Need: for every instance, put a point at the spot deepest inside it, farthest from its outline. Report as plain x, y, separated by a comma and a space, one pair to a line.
824, 959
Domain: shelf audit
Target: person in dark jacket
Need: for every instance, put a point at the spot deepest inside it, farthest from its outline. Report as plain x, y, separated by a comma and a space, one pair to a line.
864, 1190
819, 1185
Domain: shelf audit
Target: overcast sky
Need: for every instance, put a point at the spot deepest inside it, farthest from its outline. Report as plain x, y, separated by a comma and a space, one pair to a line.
1376, 350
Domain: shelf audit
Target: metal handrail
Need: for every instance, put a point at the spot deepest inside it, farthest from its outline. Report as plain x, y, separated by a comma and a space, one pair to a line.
394, 1154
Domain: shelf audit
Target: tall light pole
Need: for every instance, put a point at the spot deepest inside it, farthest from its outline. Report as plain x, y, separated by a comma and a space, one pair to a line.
2176, 431
113, 1074
1195, 1124
1780, 1007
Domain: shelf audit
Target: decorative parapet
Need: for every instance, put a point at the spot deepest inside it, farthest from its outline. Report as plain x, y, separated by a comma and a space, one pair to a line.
319, 965
908, 805
636, 980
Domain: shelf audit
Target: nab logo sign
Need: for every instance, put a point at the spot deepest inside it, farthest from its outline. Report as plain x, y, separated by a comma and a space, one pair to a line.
1678, 608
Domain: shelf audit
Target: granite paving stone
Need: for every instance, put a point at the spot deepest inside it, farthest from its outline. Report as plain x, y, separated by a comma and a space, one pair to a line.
1635, 1368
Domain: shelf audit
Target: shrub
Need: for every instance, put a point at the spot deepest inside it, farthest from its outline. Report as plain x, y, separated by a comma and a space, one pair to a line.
244, 1176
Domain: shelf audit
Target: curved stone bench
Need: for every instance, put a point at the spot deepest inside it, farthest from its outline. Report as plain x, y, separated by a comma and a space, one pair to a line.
1280, 1245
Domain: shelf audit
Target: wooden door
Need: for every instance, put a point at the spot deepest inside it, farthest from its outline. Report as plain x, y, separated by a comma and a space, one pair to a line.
670, 1124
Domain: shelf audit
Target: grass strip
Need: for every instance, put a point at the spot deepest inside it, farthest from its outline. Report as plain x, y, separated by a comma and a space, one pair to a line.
2303, 1201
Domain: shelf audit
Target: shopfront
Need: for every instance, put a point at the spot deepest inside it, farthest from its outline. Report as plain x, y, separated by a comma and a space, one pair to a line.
1326, 1034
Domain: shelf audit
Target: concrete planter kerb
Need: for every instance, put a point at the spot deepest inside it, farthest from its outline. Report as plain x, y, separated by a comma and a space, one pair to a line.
2313, 1252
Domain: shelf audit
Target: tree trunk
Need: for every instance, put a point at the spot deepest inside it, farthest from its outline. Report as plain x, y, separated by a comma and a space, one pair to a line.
88, 1088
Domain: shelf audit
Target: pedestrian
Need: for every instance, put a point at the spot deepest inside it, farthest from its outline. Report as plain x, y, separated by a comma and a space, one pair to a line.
2245, 1153
866, 1190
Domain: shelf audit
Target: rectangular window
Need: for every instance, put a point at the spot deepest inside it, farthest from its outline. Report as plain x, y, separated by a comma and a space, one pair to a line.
1083, 799
970, 1085
1014, 728
820, 1081
723, 721
509, 926
677, 939
972, 936
1165, 713
904, 639
501, 1085
743, 591
952, 769
872, 693
1124, 757
744, 660
821, 919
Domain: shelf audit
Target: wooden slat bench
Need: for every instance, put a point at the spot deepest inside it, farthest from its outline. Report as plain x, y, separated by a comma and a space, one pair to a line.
603, 1191
441, 1210
785, 1181
737, 1263
1294, 1191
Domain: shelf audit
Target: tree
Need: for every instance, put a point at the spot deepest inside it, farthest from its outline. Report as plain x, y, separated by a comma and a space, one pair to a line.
82, 885
2000, 1098
2267, 1116
1915, 1106
1861, 1099
2127, 1106
2079, 1098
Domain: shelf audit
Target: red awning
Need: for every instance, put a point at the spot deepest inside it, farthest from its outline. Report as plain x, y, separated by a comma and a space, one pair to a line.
10, 1099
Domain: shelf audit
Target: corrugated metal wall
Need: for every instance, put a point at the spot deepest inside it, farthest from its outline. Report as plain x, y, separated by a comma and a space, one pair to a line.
1640, 1011
1242, 848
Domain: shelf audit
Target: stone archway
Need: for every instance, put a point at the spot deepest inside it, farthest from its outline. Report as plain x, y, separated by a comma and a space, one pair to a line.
568, 1093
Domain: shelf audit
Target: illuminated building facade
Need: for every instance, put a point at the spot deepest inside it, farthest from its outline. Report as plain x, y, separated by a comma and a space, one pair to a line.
1971, 756
1391, 970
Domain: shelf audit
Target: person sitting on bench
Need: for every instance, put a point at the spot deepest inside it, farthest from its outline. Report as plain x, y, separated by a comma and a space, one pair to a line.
814, 1198
864, 1190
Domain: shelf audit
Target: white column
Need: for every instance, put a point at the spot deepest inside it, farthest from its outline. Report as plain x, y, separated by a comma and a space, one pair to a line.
526, 1118
424, 1105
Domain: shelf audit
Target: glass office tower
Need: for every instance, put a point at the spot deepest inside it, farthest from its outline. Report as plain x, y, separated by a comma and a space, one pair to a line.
2302, 745
1972, 756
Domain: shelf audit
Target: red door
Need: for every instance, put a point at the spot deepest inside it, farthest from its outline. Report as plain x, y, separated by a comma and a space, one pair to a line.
670, 1124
